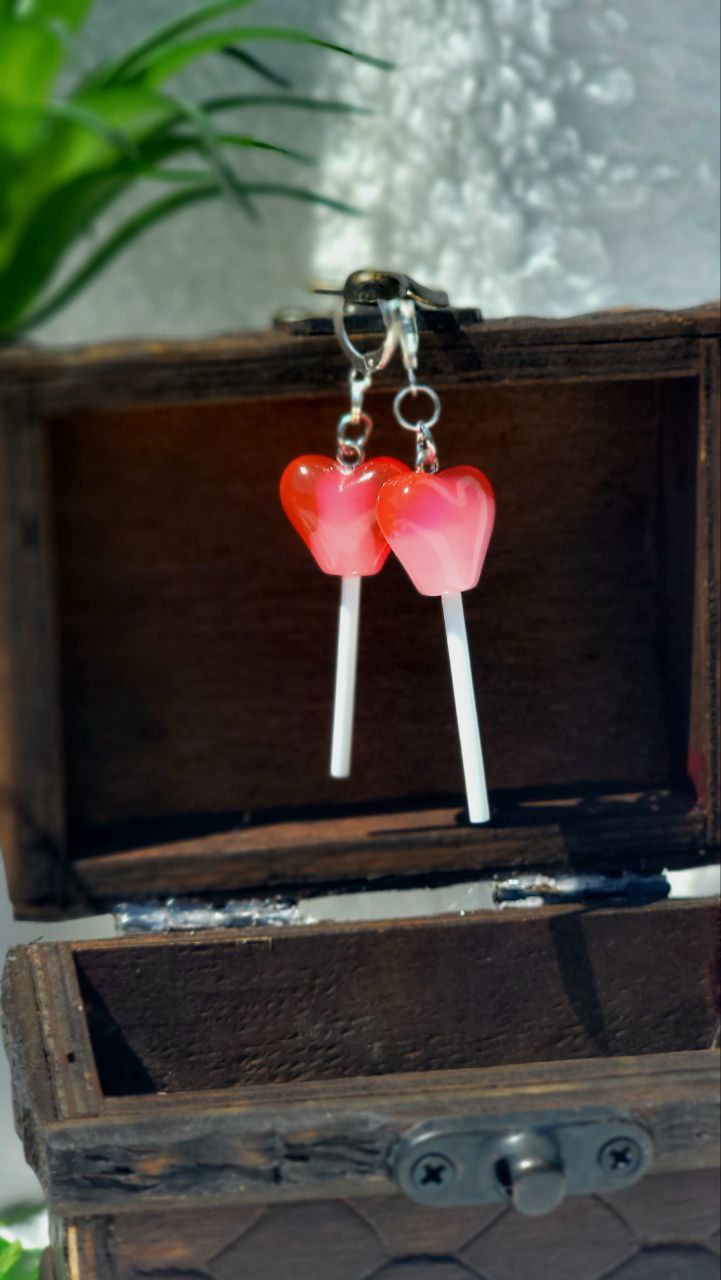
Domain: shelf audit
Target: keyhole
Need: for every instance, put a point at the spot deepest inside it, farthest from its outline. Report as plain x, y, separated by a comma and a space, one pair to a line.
503, 1176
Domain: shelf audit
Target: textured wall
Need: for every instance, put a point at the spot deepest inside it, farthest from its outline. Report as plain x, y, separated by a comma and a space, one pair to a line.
543, 156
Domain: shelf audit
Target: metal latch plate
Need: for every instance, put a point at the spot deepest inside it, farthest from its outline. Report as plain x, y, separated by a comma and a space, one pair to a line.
530, 1160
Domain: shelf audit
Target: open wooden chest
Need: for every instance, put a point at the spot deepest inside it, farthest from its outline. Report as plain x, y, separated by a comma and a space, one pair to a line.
340, 1101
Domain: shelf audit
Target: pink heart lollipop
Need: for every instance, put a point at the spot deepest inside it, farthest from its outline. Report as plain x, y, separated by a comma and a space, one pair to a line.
333, 509
439, 526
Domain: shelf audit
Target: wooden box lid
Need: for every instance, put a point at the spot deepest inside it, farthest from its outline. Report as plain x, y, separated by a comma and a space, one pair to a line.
167, 642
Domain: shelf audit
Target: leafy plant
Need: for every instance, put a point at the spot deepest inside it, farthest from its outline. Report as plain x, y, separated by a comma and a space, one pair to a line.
17, 1262
65, 159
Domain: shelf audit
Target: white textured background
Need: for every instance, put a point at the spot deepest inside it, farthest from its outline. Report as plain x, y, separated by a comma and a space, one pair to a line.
531, 156
543, 156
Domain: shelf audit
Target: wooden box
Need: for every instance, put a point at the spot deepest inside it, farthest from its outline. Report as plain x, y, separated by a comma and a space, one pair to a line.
231, 1103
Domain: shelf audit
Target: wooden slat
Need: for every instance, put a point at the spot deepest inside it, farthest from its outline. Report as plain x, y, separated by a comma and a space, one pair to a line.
285, 367
279, 364
685, 1072
34, 1099
428, 843
332, 1146
80, 1250
64, 1032
317, 1002
705, 710
31, 778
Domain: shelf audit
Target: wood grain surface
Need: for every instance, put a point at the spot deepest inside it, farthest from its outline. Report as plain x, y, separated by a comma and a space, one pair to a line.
621, 344
198, 634
281, 1144
32, 793
328, 1001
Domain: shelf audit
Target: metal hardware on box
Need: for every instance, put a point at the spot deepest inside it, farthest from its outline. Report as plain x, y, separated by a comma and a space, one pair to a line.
179, 915
370, 321
531, 1161
368, 287
535, 888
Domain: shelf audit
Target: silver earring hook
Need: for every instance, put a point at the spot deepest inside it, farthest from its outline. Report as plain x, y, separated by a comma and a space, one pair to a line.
400, 317
396, 296
364, 363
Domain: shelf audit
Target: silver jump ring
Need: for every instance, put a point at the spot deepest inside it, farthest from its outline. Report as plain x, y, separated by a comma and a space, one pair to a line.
350, 454
351, 449
414, 390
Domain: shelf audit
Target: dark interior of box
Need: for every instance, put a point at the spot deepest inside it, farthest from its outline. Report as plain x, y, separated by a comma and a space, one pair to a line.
198, 635
338, 1001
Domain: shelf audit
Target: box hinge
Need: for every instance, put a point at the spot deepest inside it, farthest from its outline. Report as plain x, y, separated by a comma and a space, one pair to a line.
528, 890
303, 324
533, 1162
183, 915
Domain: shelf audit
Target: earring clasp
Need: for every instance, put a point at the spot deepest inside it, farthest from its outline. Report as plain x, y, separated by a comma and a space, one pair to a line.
396, 295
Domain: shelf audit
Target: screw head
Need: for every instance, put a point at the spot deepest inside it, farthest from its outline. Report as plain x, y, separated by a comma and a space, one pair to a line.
433, 1173
621, 1157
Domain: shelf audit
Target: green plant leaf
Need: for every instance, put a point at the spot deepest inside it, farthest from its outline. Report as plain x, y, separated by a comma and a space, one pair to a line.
209, 144
131, 108
25, 1211
65, 161
26, 1267
255, 64
169, 61
126, 66
300, 193
119, 240
241, 100
142, 221
75, 113
63, 215
87, 133
17, 1263
71, 138
10, 1251
71, 13
31, 56
172, 144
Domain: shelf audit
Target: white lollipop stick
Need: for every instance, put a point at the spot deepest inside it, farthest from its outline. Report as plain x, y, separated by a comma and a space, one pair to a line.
466, 714
345, 677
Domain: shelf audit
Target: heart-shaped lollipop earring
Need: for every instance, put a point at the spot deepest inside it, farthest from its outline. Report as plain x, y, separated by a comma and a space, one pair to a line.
439, 525
331, 502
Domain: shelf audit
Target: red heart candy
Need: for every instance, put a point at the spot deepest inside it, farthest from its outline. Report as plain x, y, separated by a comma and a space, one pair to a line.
334, 511
439, 526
